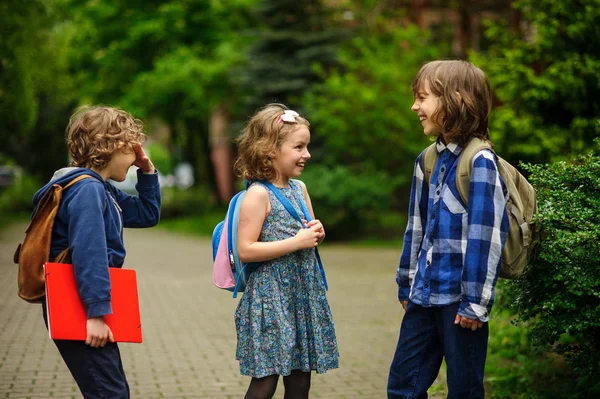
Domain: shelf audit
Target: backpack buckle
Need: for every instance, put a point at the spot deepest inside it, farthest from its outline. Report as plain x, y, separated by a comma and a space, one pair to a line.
231, 260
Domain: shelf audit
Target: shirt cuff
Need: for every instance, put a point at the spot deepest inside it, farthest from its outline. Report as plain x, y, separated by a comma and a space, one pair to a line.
473, 311
96, 309
403, 293
147, 180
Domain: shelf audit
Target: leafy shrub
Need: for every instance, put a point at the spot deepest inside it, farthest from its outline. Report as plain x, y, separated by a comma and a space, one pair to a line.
545, 75
345, 201
160, 158
17, 198
361, 118
559, 293
180, 203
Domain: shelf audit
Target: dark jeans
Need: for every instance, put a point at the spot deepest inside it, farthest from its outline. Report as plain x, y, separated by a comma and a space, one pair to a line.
98, 371
428, 335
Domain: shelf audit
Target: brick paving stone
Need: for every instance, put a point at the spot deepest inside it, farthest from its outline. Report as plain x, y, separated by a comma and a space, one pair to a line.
188, 328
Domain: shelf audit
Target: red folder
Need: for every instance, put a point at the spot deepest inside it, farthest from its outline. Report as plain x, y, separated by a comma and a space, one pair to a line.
66, 314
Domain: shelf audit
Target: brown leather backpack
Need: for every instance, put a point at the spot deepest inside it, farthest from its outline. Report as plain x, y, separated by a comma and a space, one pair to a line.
34, 252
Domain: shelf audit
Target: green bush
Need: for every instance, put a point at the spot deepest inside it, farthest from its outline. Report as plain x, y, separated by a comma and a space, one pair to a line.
181, 203
516, 369
17, 198
161, 158
559, 293
361, 118
347, 202
545, 75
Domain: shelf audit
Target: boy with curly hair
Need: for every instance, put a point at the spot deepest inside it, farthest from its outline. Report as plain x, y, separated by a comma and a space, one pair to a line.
103, 142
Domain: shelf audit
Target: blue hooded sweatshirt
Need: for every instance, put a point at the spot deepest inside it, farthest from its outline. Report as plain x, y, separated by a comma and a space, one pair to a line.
90, 223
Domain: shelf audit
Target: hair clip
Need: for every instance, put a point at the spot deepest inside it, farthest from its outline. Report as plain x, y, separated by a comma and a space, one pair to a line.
289, 116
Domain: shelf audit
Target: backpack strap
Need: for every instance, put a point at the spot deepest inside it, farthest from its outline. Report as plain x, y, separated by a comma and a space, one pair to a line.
64, 256
77, 179
465, 165
428, 161
292, 211
284, 201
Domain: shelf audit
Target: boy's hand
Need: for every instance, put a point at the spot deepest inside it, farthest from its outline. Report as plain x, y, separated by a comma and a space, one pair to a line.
306, 238
98, 332
142, 161
404, 304
468, 323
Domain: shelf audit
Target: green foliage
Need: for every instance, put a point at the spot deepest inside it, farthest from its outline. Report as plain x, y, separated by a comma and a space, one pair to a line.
559, 293
17, 198
362, 112
197, 225
546, 78
36, 91
161, 158
182, 203
344, 201
361, 119
291, 36
516, 370
171, 60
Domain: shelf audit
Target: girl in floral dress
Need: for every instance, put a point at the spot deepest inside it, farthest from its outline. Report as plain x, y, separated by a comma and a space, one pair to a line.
283, 321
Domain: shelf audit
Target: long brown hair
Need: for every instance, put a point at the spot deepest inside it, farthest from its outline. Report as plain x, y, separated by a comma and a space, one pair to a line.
461, 116
260, 138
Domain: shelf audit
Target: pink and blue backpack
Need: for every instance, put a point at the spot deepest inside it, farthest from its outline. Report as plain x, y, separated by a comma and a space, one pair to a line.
229, 272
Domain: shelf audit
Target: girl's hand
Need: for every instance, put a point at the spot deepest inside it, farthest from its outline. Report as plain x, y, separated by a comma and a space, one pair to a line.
317, 226
307, 238
98, 332
142, 161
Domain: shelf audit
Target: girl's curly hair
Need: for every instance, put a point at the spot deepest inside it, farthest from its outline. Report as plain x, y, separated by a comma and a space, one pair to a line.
461, 116
260, 138
94, 133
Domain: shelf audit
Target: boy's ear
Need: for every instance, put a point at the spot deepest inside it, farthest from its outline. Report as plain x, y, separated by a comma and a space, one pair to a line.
458, 97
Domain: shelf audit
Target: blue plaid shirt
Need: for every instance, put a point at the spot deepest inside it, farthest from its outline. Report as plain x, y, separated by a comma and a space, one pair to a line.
453, 253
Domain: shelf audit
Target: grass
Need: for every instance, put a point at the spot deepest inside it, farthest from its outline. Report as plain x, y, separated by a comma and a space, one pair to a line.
516, 370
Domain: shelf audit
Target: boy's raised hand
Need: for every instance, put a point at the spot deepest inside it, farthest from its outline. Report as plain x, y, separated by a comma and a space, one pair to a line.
142, 161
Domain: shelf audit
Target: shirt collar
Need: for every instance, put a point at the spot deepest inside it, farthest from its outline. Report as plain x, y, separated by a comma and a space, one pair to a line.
454, 148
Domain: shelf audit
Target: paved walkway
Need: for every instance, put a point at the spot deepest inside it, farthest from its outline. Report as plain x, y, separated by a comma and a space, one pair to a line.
188, 329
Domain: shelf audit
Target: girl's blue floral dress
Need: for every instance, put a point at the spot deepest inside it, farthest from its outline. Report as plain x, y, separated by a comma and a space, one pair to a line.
283, 320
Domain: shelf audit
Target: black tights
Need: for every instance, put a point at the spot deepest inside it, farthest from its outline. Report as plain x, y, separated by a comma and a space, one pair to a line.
297, 386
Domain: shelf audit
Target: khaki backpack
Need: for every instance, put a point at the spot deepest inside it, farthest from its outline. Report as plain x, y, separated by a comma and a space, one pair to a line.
34, 252
522, 204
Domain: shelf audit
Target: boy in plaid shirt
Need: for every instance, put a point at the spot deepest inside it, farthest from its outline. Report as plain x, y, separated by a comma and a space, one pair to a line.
452, 253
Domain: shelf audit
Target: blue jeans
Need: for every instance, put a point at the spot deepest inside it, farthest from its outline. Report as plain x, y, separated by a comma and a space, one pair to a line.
428, 335
98, 371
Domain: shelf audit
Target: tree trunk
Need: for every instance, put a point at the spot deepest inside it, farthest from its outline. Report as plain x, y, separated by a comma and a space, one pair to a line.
220, 153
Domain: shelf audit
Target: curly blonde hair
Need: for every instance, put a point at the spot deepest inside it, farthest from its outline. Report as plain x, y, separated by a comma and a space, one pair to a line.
461, 117
260, 138
94, 133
